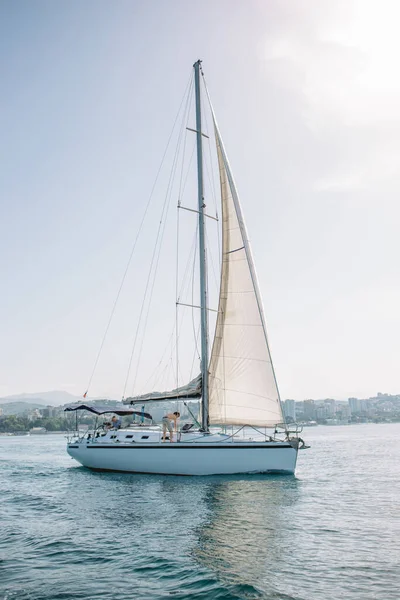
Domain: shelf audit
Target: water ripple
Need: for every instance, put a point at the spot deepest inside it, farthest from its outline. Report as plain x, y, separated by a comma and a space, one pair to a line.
330, 532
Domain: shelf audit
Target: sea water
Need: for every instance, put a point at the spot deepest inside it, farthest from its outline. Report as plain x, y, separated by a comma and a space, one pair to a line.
331, 531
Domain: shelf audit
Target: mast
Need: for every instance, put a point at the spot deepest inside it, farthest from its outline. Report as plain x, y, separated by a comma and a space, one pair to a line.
202, 253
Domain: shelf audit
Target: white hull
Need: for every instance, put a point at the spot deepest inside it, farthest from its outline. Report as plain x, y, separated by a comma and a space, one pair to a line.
187, 459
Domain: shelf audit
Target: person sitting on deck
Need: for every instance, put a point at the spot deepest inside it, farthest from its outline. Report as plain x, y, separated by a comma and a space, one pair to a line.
167, 424
115, 422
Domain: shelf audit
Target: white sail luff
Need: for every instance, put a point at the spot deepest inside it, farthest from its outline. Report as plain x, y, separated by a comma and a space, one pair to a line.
243, 387
247, 248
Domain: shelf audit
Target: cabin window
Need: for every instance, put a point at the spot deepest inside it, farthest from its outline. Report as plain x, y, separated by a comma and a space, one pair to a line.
129, 436
145, 437
113, 437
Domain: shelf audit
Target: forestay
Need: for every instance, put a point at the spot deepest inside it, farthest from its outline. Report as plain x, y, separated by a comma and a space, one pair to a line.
242, 382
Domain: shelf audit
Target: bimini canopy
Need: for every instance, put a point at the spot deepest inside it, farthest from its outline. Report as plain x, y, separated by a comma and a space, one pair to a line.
189, 391
101, 410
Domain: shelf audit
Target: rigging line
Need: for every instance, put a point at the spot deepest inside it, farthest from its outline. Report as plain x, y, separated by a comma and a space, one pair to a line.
216, 210
167, 363
172, 368
160, 362
186, 279
156, 253
188, 168
193, 280
148, 309
176, 293
177, 238
191, 414
160, 228
177, 249
194, 353
188, 85
167, 346
184, 143
154, 373
212, 178
181, 290
173, 347
158, 257
141, 313
216, 279
212, 191
157, 374
163, 377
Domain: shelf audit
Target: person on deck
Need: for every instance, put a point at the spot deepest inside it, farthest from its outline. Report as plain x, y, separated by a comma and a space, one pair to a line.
115, 422
167, 424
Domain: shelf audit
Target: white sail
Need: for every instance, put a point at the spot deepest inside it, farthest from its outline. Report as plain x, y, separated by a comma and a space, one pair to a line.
242, 382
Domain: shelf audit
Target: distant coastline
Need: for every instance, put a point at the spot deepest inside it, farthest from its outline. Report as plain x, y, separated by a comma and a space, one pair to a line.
20, 414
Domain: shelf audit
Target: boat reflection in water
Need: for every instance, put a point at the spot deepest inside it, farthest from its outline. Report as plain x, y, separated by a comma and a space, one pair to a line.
213, 537
247, 537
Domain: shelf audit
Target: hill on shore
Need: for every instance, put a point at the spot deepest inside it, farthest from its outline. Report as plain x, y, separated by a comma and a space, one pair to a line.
18, 408
56, 398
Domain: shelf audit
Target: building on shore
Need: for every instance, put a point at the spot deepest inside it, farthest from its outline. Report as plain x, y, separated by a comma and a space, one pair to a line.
289, 410
309, 410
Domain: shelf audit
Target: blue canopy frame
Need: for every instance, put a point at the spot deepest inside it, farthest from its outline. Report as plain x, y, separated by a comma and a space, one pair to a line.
102, 410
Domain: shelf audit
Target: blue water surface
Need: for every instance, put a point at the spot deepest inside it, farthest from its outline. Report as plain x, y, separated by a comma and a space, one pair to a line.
332, 531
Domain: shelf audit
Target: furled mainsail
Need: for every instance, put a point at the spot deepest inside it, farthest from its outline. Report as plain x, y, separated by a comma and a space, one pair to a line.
189, 391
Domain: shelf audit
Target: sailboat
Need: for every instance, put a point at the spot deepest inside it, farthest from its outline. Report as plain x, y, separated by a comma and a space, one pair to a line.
237, 385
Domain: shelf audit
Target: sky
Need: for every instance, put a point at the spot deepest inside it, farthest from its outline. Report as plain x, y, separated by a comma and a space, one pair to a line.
307, 96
